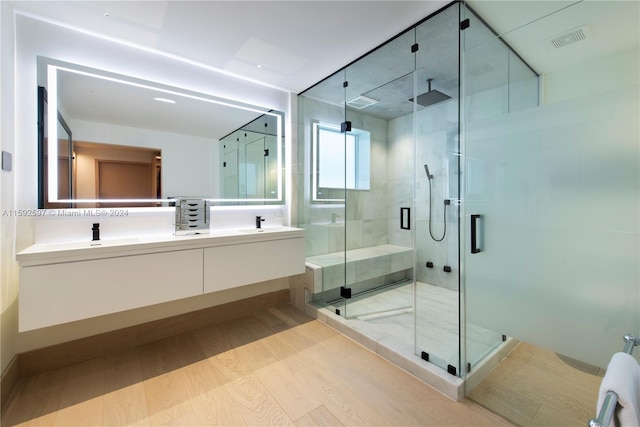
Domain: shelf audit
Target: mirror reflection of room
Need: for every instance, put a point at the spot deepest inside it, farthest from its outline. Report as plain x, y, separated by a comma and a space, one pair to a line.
132, 143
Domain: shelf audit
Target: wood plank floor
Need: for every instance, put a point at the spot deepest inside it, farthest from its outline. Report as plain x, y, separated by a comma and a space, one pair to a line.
534, 387
276, 367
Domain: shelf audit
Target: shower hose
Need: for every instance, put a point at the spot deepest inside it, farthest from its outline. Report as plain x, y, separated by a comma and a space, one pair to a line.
444, 233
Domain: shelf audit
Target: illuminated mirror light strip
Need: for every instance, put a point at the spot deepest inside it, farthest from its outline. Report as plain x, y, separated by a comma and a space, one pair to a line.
52, 133
166, 100
279, 154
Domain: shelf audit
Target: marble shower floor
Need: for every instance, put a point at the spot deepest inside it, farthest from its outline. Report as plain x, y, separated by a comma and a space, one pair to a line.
386, 315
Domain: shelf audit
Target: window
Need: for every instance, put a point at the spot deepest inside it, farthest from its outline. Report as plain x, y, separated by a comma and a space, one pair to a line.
342, 160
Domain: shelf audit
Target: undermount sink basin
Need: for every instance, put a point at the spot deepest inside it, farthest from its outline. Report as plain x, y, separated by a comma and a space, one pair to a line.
261, 230
61, 246
114, 242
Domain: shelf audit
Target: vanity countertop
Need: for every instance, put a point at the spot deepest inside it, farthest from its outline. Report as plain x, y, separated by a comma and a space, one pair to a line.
58, 252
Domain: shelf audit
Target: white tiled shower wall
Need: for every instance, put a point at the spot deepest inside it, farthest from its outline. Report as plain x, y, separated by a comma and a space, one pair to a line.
373, 216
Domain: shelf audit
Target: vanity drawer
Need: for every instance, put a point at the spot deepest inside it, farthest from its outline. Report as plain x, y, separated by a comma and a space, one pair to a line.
59, 293
238, 265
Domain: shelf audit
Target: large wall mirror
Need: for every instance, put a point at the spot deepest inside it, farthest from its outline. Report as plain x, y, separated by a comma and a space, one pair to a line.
122, 141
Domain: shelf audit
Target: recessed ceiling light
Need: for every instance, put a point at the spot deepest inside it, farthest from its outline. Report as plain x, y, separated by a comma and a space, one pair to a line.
107, 14
259, 66
168, 101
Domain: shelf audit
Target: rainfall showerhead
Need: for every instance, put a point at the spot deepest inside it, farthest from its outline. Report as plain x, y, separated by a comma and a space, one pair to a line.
426, 169
431, 97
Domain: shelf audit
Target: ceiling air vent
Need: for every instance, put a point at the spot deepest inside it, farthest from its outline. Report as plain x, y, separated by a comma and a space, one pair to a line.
568, 37
361, 101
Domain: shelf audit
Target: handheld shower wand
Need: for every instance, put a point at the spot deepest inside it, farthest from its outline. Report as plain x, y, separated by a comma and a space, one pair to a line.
446, 202
426, 169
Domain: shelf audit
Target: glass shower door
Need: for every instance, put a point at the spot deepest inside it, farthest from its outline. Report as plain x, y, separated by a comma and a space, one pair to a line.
488, 67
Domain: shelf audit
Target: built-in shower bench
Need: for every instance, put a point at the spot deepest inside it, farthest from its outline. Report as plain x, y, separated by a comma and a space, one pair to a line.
327, 271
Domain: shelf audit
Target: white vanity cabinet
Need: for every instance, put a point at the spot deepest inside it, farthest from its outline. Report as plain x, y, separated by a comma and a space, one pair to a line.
61, 283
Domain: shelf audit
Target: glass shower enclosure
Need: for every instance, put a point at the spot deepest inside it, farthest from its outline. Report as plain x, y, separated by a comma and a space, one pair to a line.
380, 200
380, 144
453, 201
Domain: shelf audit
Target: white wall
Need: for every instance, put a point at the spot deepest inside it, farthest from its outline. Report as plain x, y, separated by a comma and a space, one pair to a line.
8, 266
35, 38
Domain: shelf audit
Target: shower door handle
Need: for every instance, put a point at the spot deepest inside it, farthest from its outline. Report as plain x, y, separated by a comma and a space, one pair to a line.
474, 234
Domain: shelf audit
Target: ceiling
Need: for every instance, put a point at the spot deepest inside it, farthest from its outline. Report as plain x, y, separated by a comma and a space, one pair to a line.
294, 44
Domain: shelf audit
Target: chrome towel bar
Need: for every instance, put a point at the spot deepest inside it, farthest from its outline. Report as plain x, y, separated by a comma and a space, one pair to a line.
611, 398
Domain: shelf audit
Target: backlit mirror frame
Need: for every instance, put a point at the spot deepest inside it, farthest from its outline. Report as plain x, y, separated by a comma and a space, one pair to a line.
52, 111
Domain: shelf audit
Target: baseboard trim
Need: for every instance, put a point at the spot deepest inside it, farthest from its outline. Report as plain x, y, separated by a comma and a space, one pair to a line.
68, 353
8, 381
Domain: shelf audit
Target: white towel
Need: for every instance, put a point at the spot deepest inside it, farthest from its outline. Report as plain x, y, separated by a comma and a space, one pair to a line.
622, 377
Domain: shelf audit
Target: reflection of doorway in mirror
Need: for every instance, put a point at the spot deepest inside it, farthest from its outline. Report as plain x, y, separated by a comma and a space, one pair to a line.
124, 180
157, 166
107, 171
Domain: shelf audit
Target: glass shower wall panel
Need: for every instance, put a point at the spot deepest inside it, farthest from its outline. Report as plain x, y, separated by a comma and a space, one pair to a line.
436, 162
321, 210
378, 89
524, 85
556, 187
